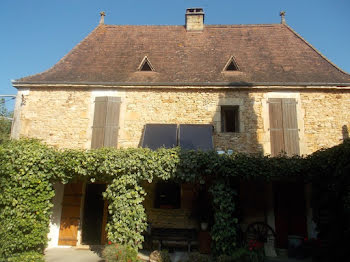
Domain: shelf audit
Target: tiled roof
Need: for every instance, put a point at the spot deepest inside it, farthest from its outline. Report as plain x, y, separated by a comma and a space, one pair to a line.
263, 53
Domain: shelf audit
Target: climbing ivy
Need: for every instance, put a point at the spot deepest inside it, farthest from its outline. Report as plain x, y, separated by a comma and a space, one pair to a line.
26, 170
29, 168
224, 233
127, 214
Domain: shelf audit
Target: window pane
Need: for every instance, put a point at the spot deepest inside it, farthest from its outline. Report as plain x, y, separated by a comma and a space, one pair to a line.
229, 119
196, 137
168, 195
160, 135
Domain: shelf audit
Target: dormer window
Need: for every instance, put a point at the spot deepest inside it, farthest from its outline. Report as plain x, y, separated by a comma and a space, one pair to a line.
146, 65
231, 65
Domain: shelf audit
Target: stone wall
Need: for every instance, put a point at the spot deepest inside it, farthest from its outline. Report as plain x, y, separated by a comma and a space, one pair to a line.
193, 107
63, 117
58, 117
327, 118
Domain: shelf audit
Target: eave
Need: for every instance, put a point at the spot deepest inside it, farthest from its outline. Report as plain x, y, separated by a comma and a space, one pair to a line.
178, 85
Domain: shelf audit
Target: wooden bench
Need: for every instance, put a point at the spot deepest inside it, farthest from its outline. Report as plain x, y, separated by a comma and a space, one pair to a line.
174, 234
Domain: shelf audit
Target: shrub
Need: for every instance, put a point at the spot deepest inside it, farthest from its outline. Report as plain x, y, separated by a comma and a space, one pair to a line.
197, 257
225, 258
238, 255
26, 170
256, 251
118, 252
159, 256
30, 256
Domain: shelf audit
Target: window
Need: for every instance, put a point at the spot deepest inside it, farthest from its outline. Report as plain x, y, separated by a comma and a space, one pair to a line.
230, 119
168, 195
231, 65
159, 135
146, 65
187, 136
197, 137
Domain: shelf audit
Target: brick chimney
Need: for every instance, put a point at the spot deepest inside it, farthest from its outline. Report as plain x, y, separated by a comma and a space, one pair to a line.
194, 19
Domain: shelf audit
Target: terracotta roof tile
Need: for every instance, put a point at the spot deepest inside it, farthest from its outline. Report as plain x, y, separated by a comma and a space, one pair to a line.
263, 53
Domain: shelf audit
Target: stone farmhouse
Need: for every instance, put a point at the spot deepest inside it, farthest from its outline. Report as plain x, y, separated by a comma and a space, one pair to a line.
233, 88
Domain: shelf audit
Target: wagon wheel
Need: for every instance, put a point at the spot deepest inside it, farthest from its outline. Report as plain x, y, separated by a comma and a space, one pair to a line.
260, 232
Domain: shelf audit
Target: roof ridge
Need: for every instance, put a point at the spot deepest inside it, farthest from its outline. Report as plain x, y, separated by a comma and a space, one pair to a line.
315, 50
207, 25
143, 25
243, 25
65, 56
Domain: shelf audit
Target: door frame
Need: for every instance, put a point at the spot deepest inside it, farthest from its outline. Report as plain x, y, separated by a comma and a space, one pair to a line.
103, 239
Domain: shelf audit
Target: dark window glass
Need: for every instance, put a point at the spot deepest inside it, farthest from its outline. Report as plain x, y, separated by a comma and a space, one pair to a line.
231, 67
196, 137
146, 67
229, 119
159, 135
168, 195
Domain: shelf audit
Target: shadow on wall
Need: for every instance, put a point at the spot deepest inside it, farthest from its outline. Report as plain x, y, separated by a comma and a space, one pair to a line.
236, 123
345, 132
236, 126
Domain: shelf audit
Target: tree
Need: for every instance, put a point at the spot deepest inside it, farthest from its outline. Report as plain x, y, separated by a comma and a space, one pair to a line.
5, 122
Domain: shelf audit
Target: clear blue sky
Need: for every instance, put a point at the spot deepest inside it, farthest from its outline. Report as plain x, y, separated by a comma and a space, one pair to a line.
35, 34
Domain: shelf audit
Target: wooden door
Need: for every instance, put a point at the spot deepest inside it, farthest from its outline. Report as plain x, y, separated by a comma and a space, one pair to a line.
70, 217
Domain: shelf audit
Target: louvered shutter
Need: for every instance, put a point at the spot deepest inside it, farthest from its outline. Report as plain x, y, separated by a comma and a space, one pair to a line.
290, 127
106, 122
284, 133
276, 126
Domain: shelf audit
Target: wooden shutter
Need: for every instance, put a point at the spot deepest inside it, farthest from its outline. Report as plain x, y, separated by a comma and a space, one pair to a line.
276, 126
70, 217
284, 133
106, 122
290, 127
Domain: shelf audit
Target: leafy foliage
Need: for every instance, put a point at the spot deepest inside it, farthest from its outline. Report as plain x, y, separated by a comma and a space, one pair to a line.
30, 256
127, 215
224, 230
28, 170
329, 173
198, 257
122, 253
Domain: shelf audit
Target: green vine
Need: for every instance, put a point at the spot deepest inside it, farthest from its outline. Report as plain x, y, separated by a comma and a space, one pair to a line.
29, 168
26, 172
127, 214
224, 232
